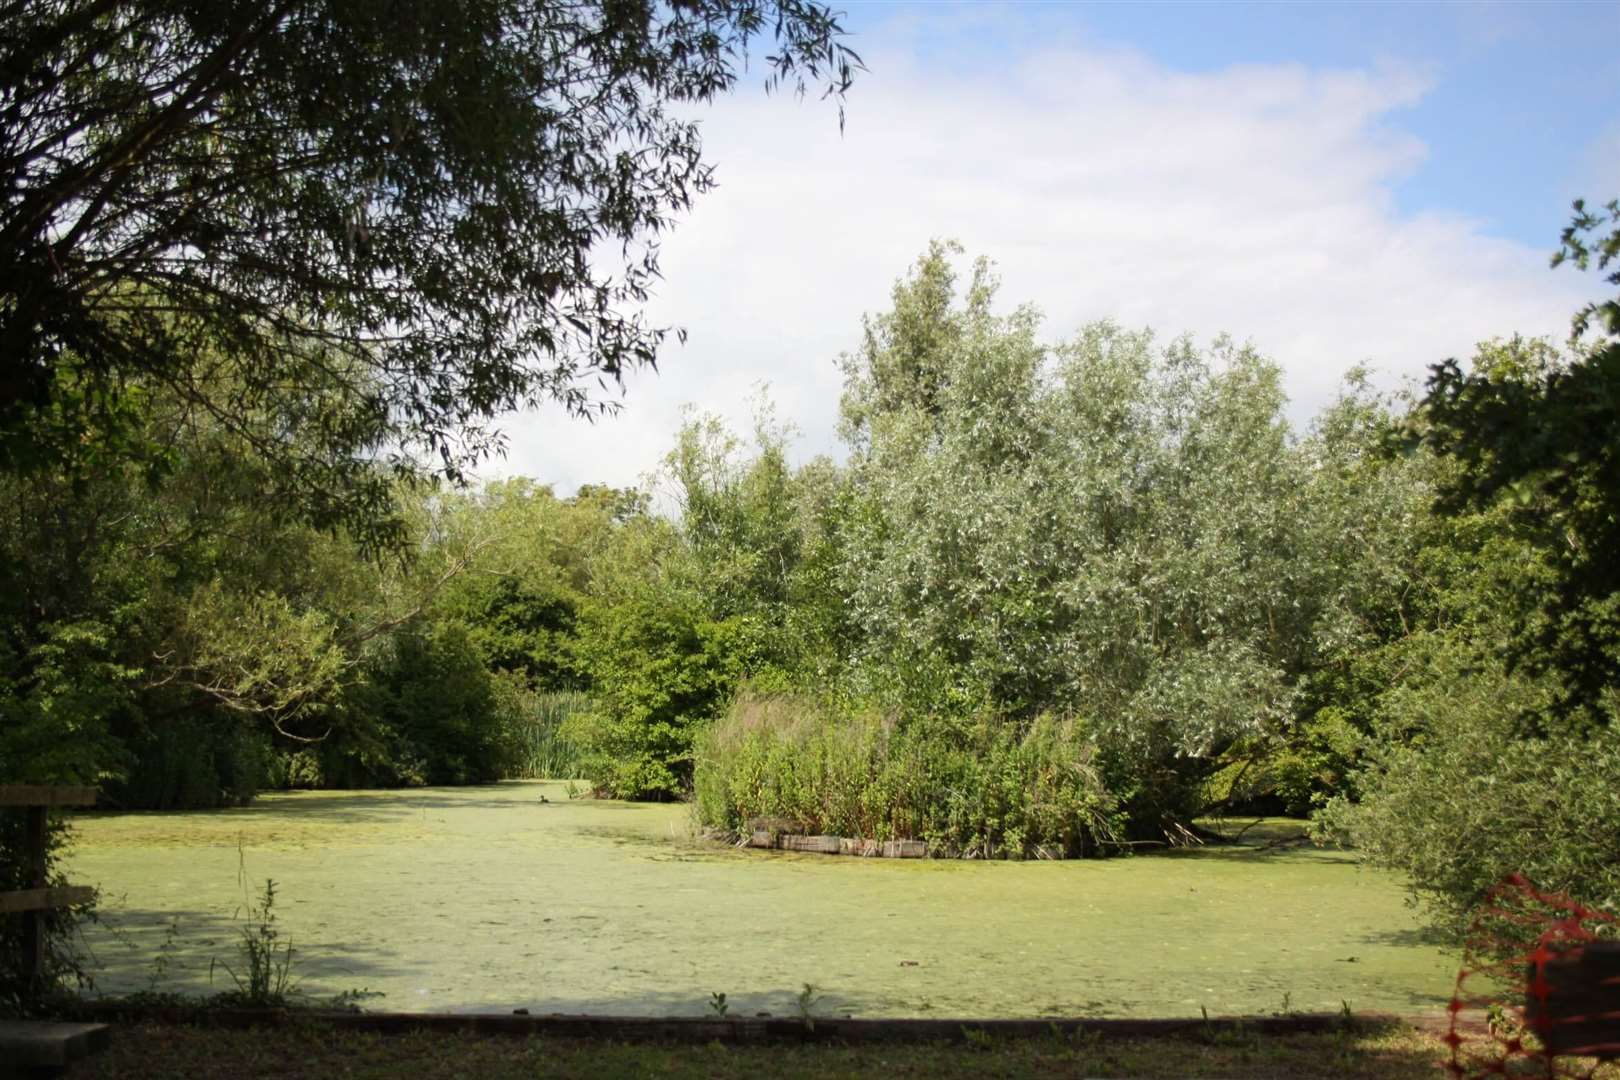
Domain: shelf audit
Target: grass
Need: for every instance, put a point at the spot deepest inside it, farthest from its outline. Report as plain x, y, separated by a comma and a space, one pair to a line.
1390, 1052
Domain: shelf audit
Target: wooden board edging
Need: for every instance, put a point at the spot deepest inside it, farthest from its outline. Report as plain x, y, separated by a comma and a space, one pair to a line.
46, 795
47, 1044
45, 899
836, 845
700, 1029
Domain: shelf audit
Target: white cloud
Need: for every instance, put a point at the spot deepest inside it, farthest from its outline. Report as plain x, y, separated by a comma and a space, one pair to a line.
1254, 200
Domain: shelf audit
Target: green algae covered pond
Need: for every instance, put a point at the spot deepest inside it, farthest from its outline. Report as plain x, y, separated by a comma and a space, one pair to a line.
490, 899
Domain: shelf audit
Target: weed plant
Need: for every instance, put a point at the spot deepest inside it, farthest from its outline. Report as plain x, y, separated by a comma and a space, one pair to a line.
806, 1003
265, 979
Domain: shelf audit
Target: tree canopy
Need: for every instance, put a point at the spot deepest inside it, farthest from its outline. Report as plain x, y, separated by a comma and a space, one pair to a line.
350, 232
1543, 431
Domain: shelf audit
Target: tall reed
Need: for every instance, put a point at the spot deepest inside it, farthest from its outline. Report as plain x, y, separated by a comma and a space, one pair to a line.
541, 752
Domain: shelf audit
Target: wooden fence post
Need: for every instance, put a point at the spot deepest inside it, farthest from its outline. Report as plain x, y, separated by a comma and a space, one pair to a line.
35, 841
35, 900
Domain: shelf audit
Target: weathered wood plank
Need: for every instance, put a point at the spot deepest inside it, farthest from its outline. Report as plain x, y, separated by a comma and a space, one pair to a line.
45, 899
30, 1044
837, 845
820, 845
46, 795
704, 1030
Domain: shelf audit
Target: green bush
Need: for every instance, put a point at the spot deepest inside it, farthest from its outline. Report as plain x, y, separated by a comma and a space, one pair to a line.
427, 711
663, 669
201, 760
58, 697
985, 788
1292, 775
1463, 795
297, 769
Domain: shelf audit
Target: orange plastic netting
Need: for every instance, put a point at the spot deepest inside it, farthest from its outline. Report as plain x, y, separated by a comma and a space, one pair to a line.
1507, 1015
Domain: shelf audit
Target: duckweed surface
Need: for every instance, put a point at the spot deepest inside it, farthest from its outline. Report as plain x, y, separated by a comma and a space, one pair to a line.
514, 896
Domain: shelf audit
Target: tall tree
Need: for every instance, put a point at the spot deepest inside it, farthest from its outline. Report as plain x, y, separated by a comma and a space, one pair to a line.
429, 211
1543, 431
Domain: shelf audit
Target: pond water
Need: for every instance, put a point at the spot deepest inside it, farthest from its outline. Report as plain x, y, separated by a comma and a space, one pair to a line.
490, 899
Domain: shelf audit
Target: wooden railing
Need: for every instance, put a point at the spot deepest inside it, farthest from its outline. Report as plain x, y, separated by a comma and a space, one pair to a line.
38, 899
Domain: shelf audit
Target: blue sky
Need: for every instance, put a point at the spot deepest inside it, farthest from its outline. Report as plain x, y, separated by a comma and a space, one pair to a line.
1522, 113
1336, 184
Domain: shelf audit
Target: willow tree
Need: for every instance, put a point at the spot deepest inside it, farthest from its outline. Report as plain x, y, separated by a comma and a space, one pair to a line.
441, 209
1109, 527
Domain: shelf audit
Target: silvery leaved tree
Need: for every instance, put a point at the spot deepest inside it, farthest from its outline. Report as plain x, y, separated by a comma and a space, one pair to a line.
1110, 528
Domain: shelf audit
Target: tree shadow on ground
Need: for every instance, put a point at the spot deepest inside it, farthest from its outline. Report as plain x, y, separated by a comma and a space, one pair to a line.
1413, 937
373, 805
200, 952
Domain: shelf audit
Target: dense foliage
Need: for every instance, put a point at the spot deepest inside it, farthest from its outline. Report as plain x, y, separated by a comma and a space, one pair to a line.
1541, 433
387, 222
1495, 749
266, 268
977, 789
1060, 600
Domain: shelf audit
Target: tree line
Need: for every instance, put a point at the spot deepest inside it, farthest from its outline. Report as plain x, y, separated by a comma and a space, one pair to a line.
1059, 599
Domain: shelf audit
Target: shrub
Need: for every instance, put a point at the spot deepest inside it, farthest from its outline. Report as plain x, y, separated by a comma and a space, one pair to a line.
428, 712
663, 670
1464, 796
200, 760
985, 787
297, 769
